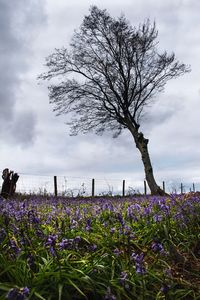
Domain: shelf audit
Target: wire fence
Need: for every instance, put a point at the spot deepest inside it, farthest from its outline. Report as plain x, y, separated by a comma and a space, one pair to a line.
74, 186
80, 186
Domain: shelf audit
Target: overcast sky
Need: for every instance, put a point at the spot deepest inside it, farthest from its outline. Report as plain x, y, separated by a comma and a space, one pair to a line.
34, 141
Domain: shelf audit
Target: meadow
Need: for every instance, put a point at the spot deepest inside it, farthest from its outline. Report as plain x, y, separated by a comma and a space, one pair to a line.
100, 248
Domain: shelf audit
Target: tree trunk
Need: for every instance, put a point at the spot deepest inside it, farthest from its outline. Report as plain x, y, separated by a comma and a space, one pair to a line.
142, 145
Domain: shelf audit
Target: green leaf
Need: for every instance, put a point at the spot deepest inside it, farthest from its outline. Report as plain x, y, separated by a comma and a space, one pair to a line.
60, 288
77, 288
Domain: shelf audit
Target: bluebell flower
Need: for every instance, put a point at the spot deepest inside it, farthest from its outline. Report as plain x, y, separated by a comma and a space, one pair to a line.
78, 214
132, 213
158, 247
51, 242
136, 207
121, 231
93, 247
123, 277
13, 245
112, 230
12, 294
147, 211
32, 217
117, 252
127, 230
66, 244
140, 269
68, 211
88, 224
157, 218
74, 224
165, 208
139, 263
31, 262
129, 212
120, 218
77, 239
18, 294
165, 288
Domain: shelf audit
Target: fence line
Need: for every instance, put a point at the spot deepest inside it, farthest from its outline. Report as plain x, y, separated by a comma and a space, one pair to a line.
79, 186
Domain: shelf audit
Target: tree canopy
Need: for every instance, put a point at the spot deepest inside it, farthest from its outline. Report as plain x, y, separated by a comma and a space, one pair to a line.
117, 71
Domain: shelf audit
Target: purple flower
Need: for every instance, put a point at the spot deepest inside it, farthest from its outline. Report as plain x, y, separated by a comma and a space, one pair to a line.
66, 244
18, 294
120, 218
78, 214
93, 247
147, 211
74, 224
140, 269
165, 208
14, 246
112, 230
77, 239
139, 263
158, 247
127, 230
51, 242
31, 261
165, 288
69, 243
12, 294
88, 225
123, 277
32, 217
117, 252
68, 211
131, 213
157, 218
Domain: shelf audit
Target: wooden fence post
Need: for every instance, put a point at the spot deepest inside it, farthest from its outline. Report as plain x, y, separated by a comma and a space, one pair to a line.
145, 187
93, 186
55, 186
123, 188
181, 188
163, 184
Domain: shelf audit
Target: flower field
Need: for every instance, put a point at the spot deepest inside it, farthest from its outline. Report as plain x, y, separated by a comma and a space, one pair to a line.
100, 248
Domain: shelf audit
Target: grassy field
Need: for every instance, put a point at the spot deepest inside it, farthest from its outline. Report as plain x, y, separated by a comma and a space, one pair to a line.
100, 248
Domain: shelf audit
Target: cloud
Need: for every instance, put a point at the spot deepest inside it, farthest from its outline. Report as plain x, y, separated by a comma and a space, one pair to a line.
23, 128
19, 22
30, 30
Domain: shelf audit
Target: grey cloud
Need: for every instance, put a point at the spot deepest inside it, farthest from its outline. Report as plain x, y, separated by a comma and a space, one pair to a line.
18, 25
162, 111
20, 129
24, 128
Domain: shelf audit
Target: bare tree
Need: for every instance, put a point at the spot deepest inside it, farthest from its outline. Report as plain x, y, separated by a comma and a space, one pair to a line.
118, 71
